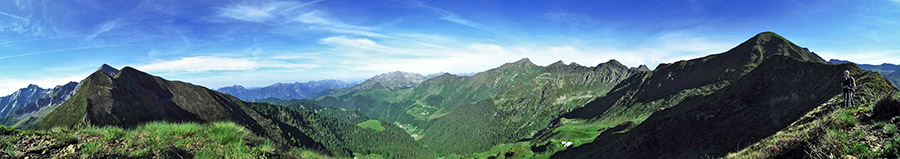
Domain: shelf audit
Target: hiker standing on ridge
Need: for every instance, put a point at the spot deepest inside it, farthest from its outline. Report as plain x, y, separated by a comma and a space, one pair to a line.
849, 85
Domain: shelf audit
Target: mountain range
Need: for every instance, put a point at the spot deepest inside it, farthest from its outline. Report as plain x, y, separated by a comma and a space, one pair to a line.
889, 71
130, 98
295, 90
18, 109
740, 97
765, 98
885, 68
456, 115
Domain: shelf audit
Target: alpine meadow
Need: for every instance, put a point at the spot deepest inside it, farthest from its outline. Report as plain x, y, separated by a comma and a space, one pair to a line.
253, 79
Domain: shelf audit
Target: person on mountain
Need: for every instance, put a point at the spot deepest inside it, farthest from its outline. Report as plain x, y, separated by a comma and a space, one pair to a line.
849, 85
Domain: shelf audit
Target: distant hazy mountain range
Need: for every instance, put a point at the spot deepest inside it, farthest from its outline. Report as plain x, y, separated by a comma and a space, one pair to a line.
314, 89
284, 90
393, 81
882, 68
889, 71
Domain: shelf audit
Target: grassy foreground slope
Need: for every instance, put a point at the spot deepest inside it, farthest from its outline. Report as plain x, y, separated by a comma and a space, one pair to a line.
867, 130
150, 140
132, 98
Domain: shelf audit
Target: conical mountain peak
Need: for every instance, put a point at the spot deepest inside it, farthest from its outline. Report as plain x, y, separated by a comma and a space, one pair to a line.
108, 70
612, 63
32, 86
392, 80
558, 63
767, 44
524, 62
643, 68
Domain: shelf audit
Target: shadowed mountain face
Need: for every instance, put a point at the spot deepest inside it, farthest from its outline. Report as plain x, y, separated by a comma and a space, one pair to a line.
766, 100
671, 83
709, 106
284, 90
131, 97
26, 107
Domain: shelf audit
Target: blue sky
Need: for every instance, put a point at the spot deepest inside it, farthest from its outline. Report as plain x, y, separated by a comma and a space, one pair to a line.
218, 43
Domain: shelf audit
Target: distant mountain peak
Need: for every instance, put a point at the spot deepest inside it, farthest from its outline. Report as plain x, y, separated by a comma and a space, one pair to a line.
32, 86
615, 62
643, 68
392, 80
524, 62
108, 70
837, 61
768, 44
612, 63
239, 86
558, 63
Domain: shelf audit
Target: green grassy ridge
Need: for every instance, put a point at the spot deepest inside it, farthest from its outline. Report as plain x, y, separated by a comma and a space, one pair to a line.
581, 131
732, 113
834, 130
349, 115
371, 124
165, 140
71, 112
214, 140
341, 138
525, 98
133, 98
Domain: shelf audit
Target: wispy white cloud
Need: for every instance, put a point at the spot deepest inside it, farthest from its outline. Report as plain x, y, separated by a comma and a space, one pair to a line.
258, 13
361, 43
452, 17
27, 40
319, 20
293, 13
14, 16
61, 50
199, 64
476, 56
103, 28
571, 19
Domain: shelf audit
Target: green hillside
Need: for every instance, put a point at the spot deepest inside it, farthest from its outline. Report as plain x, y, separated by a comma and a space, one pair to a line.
894, 77
765, 98
500, 105
132, 98
754, 107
